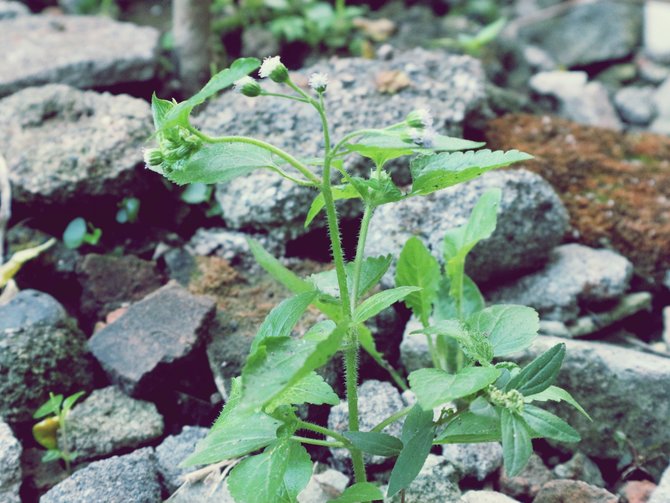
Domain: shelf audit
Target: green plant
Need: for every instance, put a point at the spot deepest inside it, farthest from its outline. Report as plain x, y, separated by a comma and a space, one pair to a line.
474, 44
78, 232
490, 400
128, 212
53, 414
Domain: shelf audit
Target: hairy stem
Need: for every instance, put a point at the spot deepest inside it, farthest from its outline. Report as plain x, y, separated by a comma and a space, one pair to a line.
306, 425
392, 418
351, 376
314, 441
5, 204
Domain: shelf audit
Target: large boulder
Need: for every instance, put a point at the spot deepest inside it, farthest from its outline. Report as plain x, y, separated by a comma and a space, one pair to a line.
83, 51
41, 351
10, 465
10, 9
61, 143
531, 221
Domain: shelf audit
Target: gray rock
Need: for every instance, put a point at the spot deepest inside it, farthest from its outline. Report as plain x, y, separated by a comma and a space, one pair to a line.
635, 104
574, 277
203, 492
476, 460
376, 401
231, 245
132, 478
414, 352
83, 51
662, 492
41, 350
580, 467
527, 483
485, 497
588, 32
452, 86
579, 100
666, 326
573, 490
109, 421
662, 101
651, 71
531, 222
158, 341
324, 486
607, 381
61, 143
437, 482
656, 20
175, 449
10, 465
10, 10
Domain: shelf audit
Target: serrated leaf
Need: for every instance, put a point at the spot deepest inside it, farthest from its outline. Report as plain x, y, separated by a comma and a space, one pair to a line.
547, 425
238, 435
360, 492
475, 345
417, 267
539, 374
509, 328
372, 442
433, 173
377, 190
517, 447
445, 308
434, 387
417, 439
297, 474
310, 389
558, 395
282, 318
221, 163
380, 301
231, 402
340, 192
259, 479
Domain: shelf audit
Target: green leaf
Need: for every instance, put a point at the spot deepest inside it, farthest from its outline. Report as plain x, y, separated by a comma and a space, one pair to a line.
277, 270
340, 192
417, 439
259, 479
372, 442
516, 443
471, 428
509, 328
380, 301
556, 394
417, 267
282, 318
69, 402
363, 491
433, 173
372, 270
196, 193
310, 389
297, 474
539, 374
445, 308
548, 425
160, 110
434, 387
52, 455
473, 344
73, 236
231, 403
221, 163
179, 113
378, 189
51, 407
238, 435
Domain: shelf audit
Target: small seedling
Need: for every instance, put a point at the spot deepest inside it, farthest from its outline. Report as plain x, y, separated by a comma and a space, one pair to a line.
129, 209
53, 424
78, 232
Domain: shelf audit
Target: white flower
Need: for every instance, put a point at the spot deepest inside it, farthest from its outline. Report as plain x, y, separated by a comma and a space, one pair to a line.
247, 86
273, 67
420, 118
318, 82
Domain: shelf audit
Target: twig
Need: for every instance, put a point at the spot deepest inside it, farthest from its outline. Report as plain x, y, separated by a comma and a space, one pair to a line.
5, 204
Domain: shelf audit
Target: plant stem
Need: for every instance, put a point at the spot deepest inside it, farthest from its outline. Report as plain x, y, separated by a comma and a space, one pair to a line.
5, 204
392, 418
306, 425
314, 441
286, 96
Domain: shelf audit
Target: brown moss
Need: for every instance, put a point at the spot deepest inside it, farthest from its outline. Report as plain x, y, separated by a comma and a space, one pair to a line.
616, 186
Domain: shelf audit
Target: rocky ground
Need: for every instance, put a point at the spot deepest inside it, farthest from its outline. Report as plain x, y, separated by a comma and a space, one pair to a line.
154, 321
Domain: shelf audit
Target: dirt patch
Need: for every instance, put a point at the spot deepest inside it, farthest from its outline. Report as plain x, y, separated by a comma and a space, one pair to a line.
616, 186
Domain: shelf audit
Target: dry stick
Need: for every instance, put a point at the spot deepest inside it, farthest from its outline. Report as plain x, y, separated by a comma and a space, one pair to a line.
5, 204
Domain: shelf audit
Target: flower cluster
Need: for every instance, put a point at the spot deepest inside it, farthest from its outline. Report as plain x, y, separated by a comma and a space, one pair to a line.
175, 145
511, 400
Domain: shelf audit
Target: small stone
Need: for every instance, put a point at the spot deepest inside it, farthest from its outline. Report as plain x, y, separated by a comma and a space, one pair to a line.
324, 486
485, 497
132, 478
109, 421
635, 104
637, 491
175, 449
41, 351
650, 70
656, 21
58, 49
108, 282
474, 460
575, 276
662, 102
376, 401
157, 342
662, 493
571, 491
62, 144
437, 482
580, 467
10, 465
528, 482
10, 10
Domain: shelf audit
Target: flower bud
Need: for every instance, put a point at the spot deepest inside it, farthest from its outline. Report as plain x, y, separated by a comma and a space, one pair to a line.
318, 82
420, 119
248, 87
275, 69
153, 157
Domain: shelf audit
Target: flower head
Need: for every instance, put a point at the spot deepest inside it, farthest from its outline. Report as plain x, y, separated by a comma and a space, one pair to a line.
420, 118
318, 82
247, 86
422, 137
275, 69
